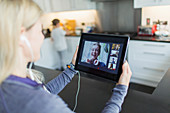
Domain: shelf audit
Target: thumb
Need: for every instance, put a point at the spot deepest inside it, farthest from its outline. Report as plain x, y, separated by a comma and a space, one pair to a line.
125, 67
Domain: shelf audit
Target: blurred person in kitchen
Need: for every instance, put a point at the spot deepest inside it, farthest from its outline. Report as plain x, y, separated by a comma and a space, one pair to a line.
60, 45
22, 91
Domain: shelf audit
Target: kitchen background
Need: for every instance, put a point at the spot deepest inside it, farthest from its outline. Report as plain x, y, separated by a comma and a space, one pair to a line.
113, 17
117, 16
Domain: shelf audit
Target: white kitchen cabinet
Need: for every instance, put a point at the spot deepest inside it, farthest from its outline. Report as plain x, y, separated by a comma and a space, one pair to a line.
60, 5
149, 61
147, 3
69, 5
40, 3
45, 5
144, 3
50, 58
164, 2
83, 5
65, 5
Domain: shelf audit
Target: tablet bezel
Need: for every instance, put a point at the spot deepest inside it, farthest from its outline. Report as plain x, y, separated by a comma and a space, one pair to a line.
103, 38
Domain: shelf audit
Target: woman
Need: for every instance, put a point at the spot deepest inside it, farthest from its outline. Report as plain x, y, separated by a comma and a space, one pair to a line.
20, 42
94, 53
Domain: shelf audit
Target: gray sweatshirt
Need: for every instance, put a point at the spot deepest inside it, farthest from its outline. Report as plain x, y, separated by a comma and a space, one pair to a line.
22, 95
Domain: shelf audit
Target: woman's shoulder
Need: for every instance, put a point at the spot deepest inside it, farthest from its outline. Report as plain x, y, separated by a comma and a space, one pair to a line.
44, 102
34, 99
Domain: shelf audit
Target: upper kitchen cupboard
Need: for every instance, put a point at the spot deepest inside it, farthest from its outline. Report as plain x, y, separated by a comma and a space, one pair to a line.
147, 3
70, 5
83, 4
65, 5
45, 5
60, 5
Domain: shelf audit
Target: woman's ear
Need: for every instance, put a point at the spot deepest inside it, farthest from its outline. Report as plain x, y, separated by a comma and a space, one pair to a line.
24, 39
21, 42
22, 30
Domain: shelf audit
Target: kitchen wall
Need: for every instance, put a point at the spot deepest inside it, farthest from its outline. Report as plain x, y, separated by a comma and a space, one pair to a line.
156, 12
86, 16
114, 16
118, 16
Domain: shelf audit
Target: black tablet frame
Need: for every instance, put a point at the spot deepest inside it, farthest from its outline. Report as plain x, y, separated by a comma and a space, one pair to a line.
124, 39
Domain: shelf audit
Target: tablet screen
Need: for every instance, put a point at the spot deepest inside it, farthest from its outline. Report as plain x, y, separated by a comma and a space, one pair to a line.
102, 55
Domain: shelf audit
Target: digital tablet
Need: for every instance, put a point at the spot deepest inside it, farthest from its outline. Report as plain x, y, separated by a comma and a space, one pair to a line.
102, 54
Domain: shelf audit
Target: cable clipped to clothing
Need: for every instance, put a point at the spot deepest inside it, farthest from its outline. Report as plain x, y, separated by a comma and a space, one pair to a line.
78, 89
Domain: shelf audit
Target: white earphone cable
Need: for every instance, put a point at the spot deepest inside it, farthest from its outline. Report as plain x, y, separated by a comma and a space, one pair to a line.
24, 38
78, 89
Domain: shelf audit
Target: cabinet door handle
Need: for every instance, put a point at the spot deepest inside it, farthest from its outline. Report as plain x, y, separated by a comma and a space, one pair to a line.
154, 45
150, 53
159, 70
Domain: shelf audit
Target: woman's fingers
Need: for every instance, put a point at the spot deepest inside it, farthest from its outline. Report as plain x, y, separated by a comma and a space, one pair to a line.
126, 75
75, 56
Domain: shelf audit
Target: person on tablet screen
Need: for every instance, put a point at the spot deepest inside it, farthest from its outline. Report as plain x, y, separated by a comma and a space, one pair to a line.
112, 63
94, 53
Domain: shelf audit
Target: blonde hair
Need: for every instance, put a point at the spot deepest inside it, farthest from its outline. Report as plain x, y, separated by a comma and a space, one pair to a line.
39, 76
14, 15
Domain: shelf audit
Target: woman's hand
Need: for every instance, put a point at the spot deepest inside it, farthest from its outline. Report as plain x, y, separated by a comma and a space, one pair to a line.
75, 56
126, 75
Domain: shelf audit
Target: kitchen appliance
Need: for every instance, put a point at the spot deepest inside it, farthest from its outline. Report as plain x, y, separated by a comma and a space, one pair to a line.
162, 29
78, 31
146, 30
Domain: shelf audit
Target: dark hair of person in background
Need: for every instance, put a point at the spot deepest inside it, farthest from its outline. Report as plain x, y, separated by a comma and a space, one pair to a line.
55, 21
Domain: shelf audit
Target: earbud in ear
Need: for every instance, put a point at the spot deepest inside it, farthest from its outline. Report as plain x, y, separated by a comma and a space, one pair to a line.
22, 37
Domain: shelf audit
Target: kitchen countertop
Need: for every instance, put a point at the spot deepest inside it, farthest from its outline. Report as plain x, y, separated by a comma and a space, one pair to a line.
133, 36
73, 35
154, 39
95, 92
66, 36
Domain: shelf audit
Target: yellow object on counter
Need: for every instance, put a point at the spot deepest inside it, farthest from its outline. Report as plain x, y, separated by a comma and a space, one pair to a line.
70, 24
